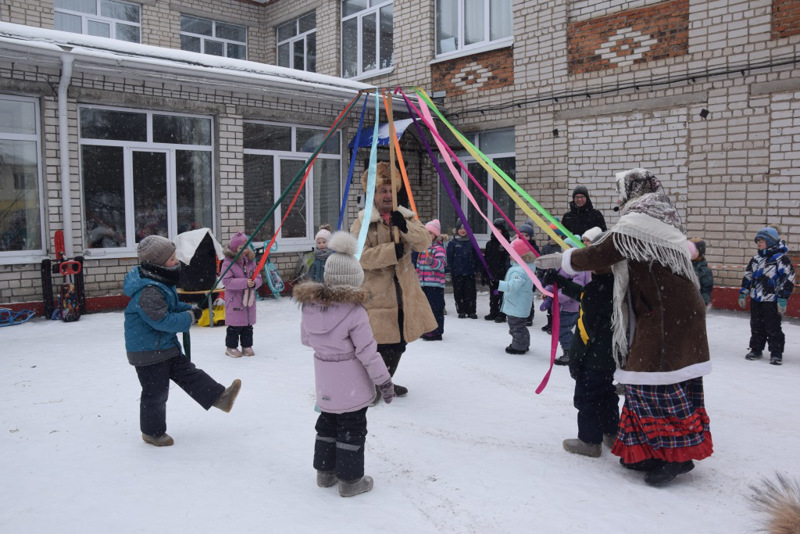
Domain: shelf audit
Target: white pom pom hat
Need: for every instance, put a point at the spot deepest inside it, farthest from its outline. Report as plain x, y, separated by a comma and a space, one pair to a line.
342, 268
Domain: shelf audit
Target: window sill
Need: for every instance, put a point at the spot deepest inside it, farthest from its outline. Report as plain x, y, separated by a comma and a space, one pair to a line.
477, 49
23, 259
109, 254
371, 74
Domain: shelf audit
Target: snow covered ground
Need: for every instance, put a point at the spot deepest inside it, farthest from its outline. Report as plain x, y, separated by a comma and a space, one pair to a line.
471, 449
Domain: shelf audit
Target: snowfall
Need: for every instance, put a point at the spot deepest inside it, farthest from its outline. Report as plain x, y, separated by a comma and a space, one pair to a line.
471, 449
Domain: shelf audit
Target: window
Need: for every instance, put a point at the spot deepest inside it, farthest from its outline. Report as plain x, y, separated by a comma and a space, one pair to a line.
21, 217
498, 146
103, 18
213, 38
273, 155
464, 24
144, 173
297, 43
367, 37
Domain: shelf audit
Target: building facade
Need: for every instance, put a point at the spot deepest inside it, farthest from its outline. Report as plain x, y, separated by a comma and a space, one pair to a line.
704, 94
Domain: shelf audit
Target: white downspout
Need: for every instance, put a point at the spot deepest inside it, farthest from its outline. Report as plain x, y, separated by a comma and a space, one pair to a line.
63, 150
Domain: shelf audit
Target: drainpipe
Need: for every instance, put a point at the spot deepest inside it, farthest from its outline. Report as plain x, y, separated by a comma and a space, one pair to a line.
63, 150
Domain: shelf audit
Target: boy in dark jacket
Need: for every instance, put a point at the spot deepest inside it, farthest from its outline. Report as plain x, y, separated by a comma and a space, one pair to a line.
152, 319
499, 261
463, 263
704, 274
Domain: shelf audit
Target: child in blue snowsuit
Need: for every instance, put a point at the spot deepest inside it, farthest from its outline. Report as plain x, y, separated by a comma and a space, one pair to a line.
517, 289
153, 318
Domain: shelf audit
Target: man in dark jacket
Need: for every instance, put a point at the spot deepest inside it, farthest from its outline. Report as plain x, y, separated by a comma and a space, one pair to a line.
582, 215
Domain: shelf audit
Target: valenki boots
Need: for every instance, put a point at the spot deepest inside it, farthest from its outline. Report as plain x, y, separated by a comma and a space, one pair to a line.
227, 398
164, 440
326, 479
577, 446
350, 488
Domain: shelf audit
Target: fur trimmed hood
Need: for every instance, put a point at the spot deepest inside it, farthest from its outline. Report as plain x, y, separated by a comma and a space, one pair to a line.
316, 293
248, 253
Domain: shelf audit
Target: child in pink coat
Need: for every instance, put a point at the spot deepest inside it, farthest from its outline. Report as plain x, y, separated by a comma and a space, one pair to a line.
347, 366
240, 297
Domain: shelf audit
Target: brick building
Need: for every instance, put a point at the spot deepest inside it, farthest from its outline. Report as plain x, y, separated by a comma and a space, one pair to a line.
704, 94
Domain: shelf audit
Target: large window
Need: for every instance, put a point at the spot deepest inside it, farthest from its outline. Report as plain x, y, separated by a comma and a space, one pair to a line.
367, 37
20, 191
465, 24
297, 43
103, 18
212, 37
498, 145
273, 155
144, 173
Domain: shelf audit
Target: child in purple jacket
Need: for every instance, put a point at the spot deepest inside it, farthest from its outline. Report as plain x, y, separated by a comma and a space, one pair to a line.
347, 366
240, 297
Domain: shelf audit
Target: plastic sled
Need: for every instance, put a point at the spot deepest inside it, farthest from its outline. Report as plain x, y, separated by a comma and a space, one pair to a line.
10, 317
219, 316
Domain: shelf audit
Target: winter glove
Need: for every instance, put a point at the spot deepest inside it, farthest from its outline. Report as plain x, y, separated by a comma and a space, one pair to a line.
549, 261
387, 391
196, 313
399, 221
547, 303
552, 277
742, 301
782, 306
399, 250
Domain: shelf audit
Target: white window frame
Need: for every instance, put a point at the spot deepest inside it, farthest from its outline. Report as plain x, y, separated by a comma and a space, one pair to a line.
485, 45
465, 204
129, 147
86, 18
30, 255
374, 7
291, 42
295, 244
214, 37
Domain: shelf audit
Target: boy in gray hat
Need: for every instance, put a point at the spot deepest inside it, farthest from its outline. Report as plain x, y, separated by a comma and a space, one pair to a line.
153, 318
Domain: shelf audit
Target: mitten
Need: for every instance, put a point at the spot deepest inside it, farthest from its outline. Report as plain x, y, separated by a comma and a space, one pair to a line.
547, 303
549, 261
552, 277
197, 313
742, 301
387, 391
782, 306
398, 250
399, 221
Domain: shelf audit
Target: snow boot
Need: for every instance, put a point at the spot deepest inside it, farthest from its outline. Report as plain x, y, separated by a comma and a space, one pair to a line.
668, 471
399, 391
609, 440
754, 355
462, 315
233, 352
164, 440
248, 351
225, 401
473, 315
501, 318
350, 488
512, 350
577, 446
490, 317
562, 360
326, 479
776, 358
645, 465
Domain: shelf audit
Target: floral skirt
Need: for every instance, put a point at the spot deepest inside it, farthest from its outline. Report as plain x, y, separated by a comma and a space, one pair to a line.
669, 423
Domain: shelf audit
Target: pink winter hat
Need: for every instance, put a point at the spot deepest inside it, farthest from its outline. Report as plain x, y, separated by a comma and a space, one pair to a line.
434, 227
520, 246
238, 239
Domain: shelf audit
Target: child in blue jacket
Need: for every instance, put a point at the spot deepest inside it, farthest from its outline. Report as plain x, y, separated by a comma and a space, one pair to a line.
463, 263
517, 289
153, 318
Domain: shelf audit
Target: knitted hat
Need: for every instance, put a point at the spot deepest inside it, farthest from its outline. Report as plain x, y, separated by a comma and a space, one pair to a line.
342, 268
592, 234
520, 246
700, 245
499, 223
555, 229
459, 224
383, 176
324, 234
434, 227
580, 190
768, 234
155, 249
526, 228
238, 239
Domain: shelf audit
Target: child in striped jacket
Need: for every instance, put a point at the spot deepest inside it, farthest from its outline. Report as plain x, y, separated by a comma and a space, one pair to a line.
430, 267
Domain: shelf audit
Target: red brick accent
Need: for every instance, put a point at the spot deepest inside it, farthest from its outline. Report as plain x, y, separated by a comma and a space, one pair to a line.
785, 18
668, 22
478, 72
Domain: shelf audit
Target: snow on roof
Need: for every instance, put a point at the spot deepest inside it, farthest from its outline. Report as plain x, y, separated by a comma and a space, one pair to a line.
100, 52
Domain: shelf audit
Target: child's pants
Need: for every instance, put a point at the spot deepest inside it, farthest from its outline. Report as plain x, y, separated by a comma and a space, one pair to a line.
436, 300
765, 326
567, 321
340, 443
155, 390
234, 333
465, 294
520, 337
597, 403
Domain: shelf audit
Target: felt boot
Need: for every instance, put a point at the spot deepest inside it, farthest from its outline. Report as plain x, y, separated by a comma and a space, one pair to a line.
577, 446
350, 488
164, 440
225, 401
326, 479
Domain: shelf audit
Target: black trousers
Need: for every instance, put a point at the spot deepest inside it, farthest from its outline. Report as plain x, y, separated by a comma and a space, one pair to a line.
495, 299
391, 353
155, 390
234, 333
465, 294
339, 446
436, 300
597, 403
765, 327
